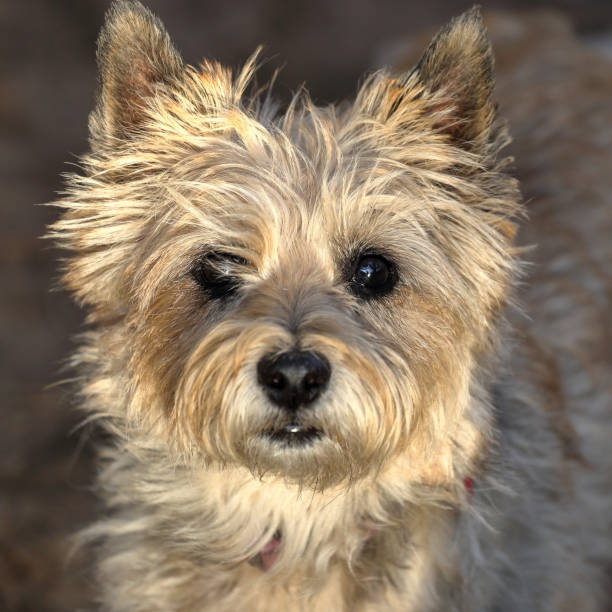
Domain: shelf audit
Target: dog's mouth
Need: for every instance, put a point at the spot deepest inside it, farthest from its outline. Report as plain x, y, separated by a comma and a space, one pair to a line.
294, 434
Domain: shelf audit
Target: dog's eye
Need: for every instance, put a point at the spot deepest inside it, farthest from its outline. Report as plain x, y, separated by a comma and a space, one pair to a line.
216, 273
373, 275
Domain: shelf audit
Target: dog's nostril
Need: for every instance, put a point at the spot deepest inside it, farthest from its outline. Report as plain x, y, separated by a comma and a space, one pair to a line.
277, 381
311, 381
294, 378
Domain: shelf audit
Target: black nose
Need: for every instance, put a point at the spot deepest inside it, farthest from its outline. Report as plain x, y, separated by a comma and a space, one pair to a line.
294, 378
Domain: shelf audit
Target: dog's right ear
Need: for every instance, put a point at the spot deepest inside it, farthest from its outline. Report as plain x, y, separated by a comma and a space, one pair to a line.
135, 56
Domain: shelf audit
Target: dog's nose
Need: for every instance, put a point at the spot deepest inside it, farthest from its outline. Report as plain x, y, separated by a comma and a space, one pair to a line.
294, 378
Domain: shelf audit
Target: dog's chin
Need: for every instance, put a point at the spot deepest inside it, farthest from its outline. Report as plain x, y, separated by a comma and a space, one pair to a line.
300, 453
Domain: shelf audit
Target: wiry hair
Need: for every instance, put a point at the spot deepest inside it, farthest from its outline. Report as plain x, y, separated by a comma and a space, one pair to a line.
184, 167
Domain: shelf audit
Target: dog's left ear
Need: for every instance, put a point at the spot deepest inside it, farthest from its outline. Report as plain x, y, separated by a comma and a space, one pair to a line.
457, 69
452, 85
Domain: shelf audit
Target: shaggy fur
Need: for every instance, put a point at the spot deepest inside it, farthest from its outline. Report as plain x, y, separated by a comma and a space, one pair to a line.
441, 479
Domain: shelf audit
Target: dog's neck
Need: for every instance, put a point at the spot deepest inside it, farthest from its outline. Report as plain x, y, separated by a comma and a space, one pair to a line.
268, 555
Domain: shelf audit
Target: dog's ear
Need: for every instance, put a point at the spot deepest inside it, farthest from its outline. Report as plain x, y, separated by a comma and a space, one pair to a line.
135, 56
457, 70
450, 87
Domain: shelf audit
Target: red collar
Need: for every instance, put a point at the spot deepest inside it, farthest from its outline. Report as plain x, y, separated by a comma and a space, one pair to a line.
267, 556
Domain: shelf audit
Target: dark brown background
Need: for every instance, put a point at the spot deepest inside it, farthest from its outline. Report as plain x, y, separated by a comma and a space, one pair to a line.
47, 79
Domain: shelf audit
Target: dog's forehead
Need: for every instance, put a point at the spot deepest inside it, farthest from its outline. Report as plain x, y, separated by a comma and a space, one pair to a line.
302, 181
268, 212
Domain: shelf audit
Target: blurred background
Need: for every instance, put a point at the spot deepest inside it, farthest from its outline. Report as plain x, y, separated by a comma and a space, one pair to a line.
554, 59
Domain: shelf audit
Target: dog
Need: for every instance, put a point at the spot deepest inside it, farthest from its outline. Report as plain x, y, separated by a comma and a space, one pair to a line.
305, 347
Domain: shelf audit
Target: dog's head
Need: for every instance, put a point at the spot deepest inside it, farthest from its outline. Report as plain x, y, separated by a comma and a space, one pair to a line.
305, 293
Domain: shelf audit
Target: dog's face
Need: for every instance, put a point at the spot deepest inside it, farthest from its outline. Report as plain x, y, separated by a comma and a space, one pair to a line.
304, 294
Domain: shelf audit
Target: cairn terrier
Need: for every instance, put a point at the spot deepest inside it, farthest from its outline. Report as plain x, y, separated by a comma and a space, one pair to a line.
301, 344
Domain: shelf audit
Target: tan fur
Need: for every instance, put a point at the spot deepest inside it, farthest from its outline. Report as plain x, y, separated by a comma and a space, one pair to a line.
427, 387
